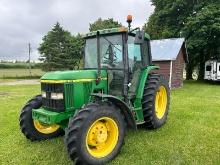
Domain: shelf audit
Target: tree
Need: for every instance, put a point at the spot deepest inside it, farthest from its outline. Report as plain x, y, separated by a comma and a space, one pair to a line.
170, 19
202, 31
60, 50
78, 45
104, 24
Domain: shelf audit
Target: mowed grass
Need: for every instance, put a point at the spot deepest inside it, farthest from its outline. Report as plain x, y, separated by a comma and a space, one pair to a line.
17, 73
190, 136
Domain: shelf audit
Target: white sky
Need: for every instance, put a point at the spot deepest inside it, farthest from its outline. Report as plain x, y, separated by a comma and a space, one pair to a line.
24, 21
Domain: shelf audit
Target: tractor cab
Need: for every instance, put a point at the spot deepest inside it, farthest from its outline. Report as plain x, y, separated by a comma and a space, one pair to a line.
122, 54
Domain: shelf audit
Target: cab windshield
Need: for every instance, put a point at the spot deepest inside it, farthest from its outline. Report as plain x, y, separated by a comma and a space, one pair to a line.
110, 52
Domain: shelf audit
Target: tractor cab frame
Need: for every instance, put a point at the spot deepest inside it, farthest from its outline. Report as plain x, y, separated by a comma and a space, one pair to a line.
126, 53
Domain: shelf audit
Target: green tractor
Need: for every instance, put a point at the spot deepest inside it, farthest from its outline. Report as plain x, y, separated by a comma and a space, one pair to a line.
116, 90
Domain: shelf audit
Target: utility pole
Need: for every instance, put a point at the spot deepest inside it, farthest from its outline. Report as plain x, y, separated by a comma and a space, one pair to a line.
29, 58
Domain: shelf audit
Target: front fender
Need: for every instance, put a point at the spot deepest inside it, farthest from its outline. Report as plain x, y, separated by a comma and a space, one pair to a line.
121, 105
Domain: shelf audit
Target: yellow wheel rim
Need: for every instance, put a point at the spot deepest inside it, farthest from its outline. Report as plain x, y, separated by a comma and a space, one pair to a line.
45, 128
102, 137
161, 102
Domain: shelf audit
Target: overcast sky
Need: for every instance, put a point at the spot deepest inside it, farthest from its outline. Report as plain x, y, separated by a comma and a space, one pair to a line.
23, 21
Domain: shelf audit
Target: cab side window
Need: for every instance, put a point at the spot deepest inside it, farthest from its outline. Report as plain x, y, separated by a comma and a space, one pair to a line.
134, 54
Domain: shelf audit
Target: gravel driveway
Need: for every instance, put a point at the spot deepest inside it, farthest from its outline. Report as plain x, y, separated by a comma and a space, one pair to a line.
21, 82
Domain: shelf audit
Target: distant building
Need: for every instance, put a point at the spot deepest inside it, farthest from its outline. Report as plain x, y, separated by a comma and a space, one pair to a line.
171, 55
212, 70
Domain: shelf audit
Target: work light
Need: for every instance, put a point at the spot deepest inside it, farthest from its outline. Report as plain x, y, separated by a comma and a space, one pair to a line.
43, 94
56, 96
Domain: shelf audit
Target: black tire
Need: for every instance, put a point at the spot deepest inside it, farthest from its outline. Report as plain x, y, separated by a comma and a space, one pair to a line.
152, 85
76, 133
26, 122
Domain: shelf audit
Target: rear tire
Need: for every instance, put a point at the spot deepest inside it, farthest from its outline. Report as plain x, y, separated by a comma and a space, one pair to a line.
28, 125
156, 101
82, 137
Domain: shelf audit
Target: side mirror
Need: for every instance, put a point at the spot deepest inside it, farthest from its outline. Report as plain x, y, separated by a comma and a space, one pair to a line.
139, 37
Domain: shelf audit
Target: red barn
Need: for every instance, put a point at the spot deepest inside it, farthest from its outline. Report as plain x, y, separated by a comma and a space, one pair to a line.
171, 56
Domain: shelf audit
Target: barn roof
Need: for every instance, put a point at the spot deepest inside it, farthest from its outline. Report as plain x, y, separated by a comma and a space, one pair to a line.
168, 49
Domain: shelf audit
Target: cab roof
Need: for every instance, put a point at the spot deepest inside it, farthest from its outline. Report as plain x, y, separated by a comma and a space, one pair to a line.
112, 31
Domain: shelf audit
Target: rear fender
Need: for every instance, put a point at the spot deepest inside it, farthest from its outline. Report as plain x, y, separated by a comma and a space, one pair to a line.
143, 79
140, 90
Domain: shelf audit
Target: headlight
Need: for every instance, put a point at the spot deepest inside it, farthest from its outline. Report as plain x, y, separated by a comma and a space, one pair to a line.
43, 94
56, 96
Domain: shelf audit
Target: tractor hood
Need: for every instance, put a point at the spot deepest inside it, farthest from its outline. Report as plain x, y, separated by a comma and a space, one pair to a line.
73, 75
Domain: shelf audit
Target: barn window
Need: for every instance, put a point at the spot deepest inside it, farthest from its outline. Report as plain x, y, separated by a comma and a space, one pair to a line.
208, 68
219, 68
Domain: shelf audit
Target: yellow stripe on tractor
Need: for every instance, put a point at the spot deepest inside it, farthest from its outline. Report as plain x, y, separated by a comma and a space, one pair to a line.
70, 81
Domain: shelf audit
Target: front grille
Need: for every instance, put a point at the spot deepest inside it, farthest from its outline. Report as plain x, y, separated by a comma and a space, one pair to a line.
69, 88
57, 88
54, 105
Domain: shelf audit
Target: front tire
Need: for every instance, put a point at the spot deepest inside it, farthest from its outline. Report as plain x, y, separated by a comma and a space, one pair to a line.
95, 135
33, 129
156, 101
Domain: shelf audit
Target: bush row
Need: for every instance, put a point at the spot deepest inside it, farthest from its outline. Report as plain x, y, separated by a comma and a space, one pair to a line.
19, 66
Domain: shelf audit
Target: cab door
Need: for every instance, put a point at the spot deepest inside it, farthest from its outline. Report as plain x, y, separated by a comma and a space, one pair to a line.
135, 65
112, 61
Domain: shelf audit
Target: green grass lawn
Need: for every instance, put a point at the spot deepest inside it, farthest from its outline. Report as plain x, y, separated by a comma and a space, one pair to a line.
18, 73
190, 136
